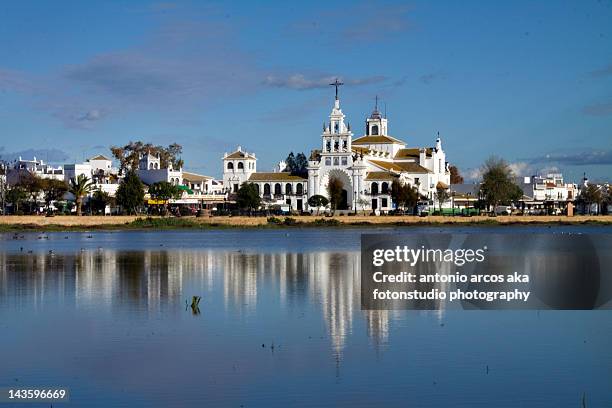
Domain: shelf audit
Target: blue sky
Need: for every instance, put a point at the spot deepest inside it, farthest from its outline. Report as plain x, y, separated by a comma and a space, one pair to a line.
528, 81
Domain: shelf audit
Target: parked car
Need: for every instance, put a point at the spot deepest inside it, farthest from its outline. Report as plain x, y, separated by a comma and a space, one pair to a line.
423, 208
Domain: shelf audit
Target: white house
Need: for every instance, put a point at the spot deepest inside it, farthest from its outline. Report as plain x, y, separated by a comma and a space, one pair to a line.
238, 168
150, 171
38, 168
548, 193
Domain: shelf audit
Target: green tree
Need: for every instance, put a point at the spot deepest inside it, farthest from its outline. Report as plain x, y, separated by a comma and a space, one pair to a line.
362, 203
130, 154
130, 194
318, 201
54, 190
15, 196
32, 185
404, 195
606, 198
248, 197
590, 195
80, 187
334, 190
442, 195
164, 191
290, 163
99, 200
297, 165
498, 186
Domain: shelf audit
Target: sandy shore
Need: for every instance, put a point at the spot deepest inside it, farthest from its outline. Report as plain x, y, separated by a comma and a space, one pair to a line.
118, 221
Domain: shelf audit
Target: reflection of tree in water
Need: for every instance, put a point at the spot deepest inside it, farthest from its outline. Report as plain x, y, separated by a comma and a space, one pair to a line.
132, 283
36, 279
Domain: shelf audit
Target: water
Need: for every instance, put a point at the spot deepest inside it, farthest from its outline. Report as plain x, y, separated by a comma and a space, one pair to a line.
280, 324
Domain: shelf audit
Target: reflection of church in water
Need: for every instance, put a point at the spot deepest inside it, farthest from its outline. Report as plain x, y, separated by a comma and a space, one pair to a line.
327, 279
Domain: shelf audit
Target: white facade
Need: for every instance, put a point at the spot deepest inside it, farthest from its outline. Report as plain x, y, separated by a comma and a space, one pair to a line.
237, 168
366, 167
38, 168
150, 171
548, 193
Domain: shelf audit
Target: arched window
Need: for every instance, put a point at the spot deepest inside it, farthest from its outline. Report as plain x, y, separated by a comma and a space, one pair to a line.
156, 166
240, 166
266, 189
375, 130
288, 188
150, 165
374, 188
385, 188
230, 166
299, 189
257, 188
336, 162
277, 189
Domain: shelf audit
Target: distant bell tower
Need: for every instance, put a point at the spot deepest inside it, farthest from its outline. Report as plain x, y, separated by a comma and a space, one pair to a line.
376, 124
337, 136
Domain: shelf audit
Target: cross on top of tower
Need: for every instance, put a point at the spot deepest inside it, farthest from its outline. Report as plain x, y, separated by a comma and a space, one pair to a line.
337, 83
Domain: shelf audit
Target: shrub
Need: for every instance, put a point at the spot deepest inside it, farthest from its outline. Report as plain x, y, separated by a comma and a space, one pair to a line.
274, 220
290, 221
332, 222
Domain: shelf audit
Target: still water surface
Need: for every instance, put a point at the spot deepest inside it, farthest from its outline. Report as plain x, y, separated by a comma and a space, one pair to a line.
279, 324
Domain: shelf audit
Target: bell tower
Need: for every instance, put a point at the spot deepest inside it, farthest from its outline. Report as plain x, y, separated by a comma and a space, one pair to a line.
376, 124
336, 137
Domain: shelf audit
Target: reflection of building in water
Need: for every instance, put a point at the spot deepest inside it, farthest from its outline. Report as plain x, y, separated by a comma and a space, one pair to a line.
331, 280
103, 278
96, 277
240, 280
378, 326
151, 281
334, 280
32, 279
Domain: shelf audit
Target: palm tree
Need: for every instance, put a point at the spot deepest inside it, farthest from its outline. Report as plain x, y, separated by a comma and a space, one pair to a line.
80, 187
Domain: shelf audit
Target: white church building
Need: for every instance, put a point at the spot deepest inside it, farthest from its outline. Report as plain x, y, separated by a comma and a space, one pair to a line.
366, 166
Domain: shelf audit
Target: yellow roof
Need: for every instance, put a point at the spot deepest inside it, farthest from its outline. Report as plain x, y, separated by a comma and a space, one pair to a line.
239, 155
195, 177
360, 150
411, 152
400, 167
441, 184
99, 157
381, 139
380, 175
275, 177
